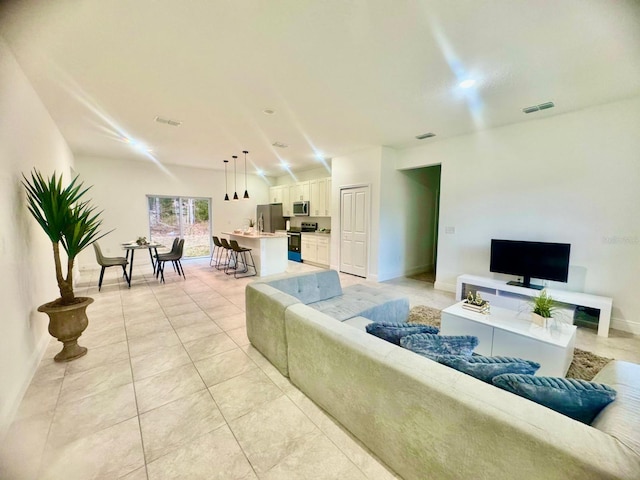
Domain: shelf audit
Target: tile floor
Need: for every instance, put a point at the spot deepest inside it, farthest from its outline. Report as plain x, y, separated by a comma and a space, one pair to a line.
171, 388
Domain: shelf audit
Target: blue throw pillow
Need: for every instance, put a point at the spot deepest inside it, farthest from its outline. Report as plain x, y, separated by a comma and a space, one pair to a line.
393, 332
485, 368
433, 346
577, 399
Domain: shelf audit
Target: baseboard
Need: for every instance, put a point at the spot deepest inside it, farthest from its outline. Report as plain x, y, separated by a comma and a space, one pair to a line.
12, 404
447, 287
419, 269
625, 325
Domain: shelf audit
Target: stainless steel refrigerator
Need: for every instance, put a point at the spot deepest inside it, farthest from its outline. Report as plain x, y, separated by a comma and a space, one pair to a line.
270, 216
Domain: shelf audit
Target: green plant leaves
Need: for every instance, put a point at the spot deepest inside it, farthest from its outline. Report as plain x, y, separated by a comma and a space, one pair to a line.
62, 213
544, 305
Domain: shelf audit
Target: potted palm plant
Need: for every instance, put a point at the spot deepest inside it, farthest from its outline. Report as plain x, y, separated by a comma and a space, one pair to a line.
68, 220
543, 308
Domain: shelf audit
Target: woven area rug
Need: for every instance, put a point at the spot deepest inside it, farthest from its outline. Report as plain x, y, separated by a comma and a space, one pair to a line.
585, 364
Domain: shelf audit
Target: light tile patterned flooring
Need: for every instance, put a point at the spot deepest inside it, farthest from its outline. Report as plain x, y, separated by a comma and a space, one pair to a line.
171, 388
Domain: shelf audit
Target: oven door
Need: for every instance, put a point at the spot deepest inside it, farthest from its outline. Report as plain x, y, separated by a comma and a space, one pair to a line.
295, 240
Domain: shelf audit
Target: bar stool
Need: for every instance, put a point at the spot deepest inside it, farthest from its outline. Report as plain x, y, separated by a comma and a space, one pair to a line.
217, 248
241, 252
226, 248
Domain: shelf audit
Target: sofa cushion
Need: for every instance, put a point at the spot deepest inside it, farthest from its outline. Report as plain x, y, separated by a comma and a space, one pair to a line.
358, 322
485, 368
393, 331
621, 418
363, 300
577, 399
310, 287
433, 346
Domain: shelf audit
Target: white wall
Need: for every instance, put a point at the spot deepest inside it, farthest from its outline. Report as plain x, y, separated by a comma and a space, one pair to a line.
358, 169
566, 178
120, 187
28, 139
320, 172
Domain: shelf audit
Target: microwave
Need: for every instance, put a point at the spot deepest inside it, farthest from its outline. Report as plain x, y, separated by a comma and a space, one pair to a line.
301, 209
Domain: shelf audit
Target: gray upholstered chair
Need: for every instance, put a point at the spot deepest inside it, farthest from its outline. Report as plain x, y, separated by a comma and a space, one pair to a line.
174, 257
105, 262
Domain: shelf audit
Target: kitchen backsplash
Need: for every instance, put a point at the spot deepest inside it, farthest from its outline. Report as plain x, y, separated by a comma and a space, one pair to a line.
323, 222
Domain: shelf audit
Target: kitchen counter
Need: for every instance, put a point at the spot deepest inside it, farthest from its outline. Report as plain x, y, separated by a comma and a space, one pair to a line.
318, 234
256, 235
269, 251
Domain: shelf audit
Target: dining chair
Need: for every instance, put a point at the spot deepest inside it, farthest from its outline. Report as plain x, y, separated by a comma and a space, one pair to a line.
174, 257
106, 262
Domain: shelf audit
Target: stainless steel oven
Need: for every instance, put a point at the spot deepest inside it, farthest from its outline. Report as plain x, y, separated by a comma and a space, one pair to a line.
295, 242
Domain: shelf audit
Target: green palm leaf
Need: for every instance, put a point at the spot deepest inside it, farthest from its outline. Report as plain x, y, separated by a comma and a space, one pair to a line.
66, 218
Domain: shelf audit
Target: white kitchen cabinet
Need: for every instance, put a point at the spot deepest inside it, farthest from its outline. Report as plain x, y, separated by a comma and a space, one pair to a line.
314, 199
275, 194
302, 192
322, 256
309, 248
320, 191
287, 206
315, 248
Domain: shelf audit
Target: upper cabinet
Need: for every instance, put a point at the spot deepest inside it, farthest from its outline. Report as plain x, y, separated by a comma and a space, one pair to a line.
275, 194
316, 192
320, 197
302, 192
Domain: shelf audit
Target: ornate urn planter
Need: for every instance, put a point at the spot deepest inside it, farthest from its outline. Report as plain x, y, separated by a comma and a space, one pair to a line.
66, 323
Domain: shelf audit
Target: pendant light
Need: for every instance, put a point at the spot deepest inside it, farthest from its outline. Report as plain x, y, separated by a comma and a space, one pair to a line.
235, 178
226, 195
246, 192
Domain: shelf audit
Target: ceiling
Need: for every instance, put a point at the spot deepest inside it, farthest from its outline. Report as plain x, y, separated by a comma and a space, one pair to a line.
340, 75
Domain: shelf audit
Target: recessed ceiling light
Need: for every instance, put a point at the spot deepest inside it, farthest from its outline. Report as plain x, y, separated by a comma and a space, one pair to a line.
425, 135
467, 83
260, 172
268, 111
279, 144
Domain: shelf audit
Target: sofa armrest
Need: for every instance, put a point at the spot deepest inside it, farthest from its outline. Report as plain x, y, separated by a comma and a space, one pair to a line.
265, 307
621, 418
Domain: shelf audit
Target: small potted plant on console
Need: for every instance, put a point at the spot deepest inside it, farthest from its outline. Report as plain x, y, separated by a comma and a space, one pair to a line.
543, 309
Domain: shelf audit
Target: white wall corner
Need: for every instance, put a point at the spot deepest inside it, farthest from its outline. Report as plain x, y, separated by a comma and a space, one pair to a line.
447, 287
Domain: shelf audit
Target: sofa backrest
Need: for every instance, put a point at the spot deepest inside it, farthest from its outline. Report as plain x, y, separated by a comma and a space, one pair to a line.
310, 287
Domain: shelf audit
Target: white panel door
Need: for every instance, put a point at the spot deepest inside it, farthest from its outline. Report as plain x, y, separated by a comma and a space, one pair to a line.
354, 241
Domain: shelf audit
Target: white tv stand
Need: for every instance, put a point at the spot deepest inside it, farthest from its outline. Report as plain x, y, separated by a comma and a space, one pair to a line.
501, 294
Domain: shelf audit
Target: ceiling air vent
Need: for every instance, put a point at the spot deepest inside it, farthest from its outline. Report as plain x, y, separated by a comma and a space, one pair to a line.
425, 135
535, 108
173, 123
279, 144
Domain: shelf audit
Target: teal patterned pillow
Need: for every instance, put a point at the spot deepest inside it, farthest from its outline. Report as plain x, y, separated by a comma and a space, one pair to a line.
485, 368
433, 346
577, 399
393, 332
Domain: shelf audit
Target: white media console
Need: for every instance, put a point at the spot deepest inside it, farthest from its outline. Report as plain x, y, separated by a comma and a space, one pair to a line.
498, 293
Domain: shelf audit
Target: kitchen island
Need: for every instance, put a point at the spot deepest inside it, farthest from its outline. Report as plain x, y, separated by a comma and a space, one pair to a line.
269, 250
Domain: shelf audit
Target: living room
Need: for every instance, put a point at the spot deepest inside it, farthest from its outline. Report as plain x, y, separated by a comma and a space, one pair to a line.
567, 174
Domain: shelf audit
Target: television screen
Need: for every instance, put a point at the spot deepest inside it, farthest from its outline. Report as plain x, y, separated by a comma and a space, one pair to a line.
546, 261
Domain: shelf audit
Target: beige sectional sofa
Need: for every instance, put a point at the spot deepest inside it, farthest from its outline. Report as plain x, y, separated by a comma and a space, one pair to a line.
428, 421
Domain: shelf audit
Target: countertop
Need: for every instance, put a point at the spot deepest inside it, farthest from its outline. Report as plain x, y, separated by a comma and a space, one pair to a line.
318, 234
256, 235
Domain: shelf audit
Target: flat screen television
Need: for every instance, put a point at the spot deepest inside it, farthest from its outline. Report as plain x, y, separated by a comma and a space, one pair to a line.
546, 261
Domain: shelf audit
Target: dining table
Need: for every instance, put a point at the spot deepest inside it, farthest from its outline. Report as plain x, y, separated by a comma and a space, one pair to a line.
131, 248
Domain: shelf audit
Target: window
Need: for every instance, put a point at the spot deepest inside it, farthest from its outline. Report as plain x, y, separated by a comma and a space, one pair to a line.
184, 217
